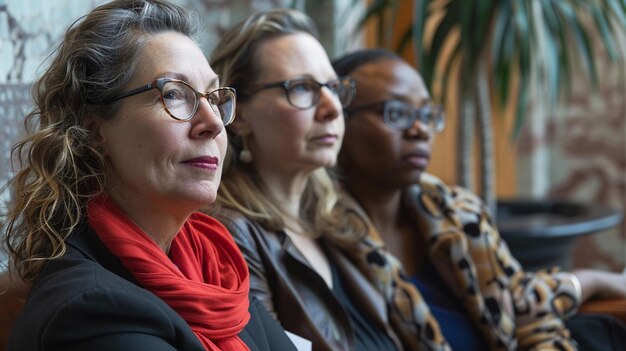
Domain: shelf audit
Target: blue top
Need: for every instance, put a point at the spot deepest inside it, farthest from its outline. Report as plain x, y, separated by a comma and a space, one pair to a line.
456, 326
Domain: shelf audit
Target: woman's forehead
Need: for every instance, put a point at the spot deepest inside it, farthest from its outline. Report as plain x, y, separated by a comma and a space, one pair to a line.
388, 77
293, 55
173, 54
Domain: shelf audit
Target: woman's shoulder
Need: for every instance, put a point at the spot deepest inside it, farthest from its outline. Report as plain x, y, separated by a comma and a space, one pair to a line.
252, 237
76, 298
228, 216
238, 224
82, 283
430, 185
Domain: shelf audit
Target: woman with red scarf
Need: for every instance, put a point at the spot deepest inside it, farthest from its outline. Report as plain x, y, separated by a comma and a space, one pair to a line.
127, 142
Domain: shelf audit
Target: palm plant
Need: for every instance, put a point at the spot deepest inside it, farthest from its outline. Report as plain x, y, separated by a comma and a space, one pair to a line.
500, 47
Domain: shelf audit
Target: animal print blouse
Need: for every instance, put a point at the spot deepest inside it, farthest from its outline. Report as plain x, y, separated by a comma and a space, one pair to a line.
514, 309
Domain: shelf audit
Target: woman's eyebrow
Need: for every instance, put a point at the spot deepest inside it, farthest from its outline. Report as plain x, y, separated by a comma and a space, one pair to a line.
404, 98
174, 75
213, 83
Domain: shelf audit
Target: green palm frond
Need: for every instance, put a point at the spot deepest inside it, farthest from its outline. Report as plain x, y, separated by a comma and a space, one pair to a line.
503, 52
549, 35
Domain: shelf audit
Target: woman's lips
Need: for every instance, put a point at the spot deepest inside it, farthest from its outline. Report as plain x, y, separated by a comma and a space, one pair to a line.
204, 162
417, 160
326, 139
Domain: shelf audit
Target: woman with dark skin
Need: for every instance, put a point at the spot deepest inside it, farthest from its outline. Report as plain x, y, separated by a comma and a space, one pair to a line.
464, 283
126, 143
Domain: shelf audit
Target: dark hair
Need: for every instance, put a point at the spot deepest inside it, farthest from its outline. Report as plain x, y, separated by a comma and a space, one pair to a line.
61, 169
346, 64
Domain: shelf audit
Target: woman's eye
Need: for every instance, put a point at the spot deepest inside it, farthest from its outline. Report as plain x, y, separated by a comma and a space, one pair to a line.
425, 114
302, 88
398, 113
395, 115
174, 94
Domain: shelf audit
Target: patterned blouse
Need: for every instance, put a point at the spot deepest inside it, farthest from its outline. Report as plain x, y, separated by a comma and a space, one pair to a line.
514, 309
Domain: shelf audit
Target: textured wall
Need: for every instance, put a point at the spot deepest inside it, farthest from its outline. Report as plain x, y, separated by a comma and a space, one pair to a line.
580, 154
28, 31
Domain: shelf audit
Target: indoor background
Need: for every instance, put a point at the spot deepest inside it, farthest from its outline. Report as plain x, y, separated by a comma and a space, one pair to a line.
576, 152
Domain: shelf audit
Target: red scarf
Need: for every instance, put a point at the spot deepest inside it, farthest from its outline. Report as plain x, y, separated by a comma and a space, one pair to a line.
205, 279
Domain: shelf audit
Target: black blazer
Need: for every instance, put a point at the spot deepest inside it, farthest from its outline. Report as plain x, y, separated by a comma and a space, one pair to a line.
87, 300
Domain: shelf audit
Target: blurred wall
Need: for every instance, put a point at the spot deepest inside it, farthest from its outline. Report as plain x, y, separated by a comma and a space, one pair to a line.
580, 154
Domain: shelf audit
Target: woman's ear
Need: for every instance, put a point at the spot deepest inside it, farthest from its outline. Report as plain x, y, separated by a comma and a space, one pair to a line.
240, 125
242, 131
94, 125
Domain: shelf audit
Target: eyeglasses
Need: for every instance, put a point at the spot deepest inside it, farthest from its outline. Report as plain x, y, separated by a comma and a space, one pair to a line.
181, 101
303, 93
400, 115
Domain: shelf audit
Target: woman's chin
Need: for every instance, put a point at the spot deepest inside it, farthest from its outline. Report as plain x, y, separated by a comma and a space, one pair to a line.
411, 178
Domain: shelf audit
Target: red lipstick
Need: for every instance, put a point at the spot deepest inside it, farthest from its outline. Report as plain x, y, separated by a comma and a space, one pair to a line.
205, 162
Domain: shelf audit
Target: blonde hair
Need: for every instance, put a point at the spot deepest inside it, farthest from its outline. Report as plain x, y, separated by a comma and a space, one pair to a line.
234, 60
61, 167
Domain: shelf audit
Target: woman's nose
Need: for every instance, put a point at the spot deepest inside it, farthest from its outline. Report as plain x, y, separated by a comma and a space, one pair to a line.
419, 129
329, 106
207, 122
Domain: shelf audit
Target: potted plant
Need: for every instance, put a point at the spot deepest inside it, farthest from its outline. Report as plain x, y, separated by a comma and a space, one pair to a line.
500, 47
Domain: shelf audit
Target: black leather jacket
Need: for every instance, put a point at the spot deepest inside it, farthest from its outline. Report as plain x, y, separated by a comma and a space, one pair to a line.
295, 294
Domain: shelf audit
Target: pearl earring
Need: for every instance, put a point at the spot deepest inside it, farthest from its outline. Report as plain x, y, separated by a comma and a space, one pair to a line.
245, 155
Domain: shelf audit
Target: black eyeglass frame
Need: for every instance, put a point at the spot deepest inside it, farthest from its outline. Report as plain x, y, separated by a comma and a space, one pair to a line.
160, 82
287, 84
436, 125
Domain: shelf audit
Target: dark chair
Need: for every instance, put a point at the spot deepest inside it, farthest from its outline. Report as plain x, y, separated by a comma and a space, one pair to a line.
11, 302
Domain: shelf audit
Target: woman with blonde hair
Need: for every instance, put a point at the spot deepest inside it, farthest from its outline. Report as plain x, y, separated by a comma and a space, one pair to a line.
276, 197
125, 144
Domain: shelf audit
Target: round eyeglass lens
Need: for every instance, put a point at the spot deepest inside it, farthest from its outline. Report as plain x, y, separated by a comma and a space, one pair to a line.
398, 115
345, 91
225, 104
432, 115
180, 100
303, 94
